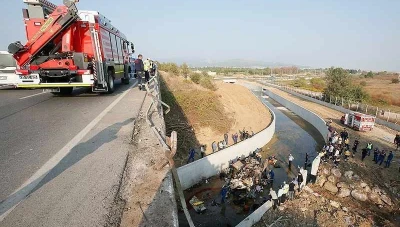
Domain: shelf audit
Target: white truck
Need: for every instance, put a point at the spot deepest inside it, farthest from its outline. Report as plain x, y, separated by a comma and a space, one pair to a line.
7, 70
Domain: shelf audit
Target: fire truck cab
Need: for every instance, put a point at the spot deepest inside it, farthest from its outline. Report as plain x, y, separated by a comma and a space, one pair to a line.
70, 48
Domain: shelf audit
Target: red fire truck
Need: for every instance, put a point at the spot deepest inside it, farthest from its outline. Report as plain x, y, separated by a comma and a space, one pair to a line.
67, 48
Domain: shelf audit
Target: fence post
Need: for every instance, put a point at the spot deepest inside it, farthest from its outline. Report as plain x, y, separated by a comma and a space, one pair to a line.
330, 99
335, 100
357, 106
342, 101
388, 116
366, 109
376, 114
349, 104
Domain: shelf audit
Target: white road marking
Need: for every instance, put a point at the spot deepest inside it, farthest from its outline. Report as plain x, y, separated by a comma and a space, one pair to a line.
12, 201
41, 93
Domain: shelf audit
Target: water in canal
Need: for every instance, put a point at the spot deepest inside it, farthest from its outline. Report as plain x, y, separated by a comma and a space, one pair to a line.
293, 135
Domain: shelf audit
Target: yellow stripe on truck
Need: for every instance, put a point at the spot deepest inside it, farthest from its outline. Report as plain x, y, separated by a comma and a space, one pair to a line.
52, 85
119, 72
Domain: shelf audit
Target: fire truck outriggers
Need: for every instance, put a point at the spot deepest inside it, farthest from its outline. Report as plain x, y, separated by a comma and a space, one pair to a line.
70, 48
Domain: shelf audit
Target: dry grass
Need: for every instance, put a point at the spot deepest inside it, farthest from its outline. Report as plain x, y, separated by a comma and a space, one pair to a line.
382, 90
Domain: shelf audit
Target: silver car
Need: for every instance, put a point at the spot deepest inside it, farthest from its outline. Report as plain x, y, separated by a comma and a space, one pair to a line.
7, 69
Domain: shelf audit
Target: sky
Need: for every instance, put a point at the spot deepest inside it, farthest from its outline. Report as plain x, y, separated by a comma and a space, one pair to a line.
357, 34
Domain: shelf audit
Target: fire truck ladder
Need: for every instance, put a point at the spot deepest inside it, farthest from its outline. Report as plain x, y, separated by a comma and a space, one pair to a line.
98, 67
36, 6
55, 23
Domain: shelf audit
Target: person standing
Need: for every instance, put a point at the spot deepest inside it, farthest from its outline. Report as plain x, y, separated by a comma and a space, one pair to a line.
290, 161
226, 138
355, 146
369, 148
291, 189
364, 154
344, 134
202, 151
397, 141
223, 193
285, 191
280, 193
376, 155
274, 198
382, 156
192, 152
306, 161
139, 68
299, 180
389, 159
214, 146
347, 154
271, 177
146, 64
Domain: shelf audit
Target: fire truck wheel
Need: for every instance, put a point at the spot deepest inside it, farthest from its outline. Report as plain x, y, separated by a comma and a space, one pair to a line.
110, 82
125, 80
64, 91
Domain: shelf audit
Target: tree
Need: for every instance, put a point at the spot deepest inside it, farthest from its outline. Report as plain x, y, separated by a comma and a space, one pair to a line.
317, 83
301, 82
185, 70
337, 83
395, 81
369, 75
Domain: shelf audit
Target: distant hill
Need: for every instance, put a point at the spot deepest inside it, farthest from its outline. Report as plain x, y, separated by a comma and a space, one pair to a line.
237, 63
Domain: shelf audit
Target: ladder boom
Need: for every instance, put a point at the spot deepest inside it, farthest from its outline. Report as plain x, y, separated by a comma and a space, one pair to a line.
56, 22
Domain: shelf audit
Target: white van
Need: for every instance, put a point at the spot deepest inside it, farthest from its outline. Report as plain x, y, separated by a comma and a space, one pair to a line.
7, 69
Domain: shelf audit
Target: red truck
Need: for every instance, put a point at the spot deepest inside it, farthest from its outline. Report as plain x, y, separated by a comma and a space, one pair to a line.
69, 48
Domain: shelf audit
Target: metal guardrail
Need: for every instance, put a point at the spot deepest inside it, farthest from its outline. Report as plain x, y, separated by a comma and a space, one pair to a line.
170, 147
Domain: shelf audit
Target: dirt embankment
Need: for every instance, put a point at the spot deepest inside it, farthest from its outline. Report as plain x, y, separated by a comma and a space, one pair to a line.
201, 116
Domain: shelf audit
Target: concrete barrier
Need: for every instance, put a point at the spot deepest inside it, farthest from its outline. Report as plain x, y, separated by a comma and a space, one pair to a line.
256, 216
307, 115
211, 165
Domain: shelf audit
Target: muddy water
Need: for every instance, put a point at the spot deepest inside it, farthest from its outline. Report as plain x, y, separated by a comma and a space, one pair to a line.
293, 135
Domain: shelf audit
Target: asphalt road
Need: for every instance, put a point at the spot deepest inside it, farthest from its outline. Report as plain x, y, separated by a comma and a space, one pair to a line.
61, 158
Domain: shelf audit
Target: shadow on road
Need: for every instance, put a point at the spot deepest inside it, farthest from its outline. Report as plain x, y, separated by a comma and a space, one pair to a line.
76, 154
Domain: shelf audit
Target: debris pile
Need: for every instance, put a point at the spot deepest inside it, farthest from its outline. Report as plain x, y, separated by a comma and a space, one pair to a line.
350, 184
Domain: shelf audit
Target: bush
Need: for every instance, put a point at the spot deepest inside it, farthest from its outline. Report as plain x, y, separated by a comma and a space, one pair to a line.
317, 84
363, 83
185, 70
207, 82
301, 82
195, 77
395, 81
369, 75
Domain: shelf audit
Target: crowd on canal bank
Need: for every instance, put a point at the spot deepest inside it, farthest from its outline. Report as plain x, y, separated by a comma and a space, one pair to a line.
220, 145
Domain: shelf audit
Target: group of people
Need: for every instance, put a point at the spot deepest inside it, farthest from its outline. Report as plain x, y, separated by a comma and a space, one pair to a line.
144, 69
339, 144
236, 137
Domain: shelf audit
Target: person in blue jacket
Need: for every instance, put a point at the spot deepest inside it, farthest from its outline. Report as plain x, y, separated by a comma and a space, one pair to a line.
389, 159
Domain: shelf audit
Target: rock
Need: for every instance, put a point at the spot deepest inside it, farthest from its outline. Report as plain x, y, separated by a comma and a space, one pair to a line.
352, 186
325, 171
387, 200
336, 172
359, 195
332, 179
303, 209
377, 190
304, 195
321, 181
330, 187
356, 177
343, 192
345, 209
348, 174
342, 185
335, 204
374, 197
363, 184
281, 208
308, 189
367, 189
